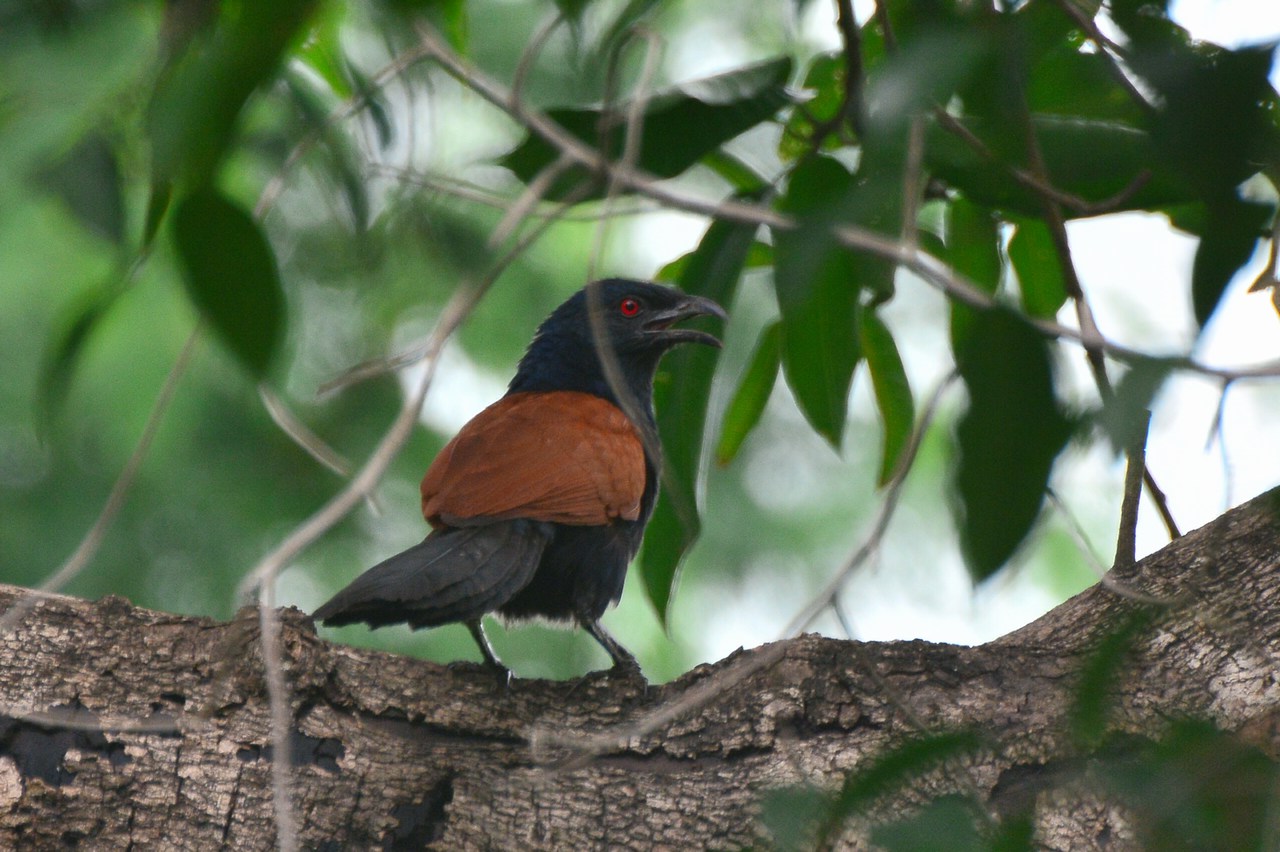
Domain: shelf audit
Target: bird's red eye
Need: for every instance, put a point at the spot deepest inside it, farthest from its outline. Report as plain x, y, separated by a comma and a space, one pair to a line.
629, 307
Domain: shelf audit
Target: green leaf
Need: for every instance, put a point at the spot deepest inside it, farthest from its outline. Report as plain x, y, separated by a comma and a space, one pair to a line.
1092, 159
342, 158
742, 177
949, 822
899, 767
1067, 82
819, 282
230, 273
87, 179
76, 329
748, 402
322, 50
922, 73
792, 816
1196, 788
972, 249
1039, 268
825, 79
1095, 692
1007, 438
892, 391
1214, 125
681, 392
680, 127
199, 99
1230, 235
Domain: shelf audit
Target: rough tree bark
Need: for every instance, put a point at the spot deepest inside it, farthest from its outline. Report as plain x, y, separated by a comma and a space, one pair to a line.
394, 752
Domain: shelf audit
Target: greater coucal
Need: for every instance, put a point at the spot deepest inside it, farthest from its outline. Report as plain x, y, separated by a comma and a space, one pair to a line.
540, 502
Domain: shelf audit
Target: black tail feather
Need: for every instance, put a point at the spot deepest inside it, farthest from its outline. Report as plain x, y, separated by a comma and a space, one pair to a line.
451, 575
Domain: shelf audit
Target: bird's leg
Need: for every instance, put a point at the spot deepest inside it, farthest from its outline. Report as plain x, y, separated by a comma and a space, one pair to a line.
486, 650
623, 662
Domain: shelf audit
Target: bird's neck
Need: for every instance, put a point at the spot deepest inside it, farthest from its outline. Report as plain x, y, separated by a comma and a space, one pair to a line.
544, 371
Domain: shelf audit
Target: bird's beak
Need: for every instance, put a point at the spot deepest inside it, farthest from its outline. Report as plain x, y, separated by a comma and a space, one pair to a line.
661, 322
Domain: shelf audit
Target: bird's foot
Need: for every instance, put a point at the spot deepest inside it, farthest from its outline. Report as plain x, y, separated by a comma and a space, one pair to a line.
627, 668
504, 675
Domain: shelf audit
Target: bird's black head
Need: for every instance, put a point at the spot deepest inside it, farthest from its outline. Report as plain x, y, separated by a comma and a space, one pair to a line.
635, 319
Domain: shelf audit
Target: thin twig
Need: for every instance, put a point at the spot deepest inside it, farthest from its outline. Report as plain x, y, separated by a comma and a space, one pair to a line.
886, 27
893, 491
852, 109
1035, 182
913, 185
1161, 502
301, 434
281, 721
1104, 575
88, 547
1109, 49
1127, 536
530, 55
587, 746
532, 196
81, 719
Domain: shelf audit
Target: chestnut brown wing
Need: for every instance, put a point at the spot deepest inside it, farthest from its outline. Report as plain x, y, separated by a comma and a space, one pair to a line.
560, 456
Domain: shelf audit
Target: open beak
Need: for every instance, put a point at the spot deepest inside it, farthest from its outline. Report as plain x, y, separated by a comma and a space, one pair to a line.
691, 306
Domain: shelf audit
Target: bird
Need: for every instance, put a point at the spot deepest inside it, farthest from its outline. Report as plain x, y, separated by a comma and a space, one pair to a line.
539, 503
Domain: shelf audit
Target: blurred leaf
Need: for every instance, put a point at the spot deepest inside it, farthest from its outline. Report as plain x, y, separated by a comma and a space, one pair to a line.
924, 72
792, 816
748, 402
1069, 82
973, 250
343, 159
1007, 438
1231, 232
1039, 269
1214, 123
680, 126
740, 176
1125, 413
198, 101
1092, 159
825, 79
322, 50
87, 178
572, 9
903, 765
1095, 692
818, 290
157, 206
1196, 788
230, 273
374, 104
76, 328
681, 392
618, 31
892, 390
949, 822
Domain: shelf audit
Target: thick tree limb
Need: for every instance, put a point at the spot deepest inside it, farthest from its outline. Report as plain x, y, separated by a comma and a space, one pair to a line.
122, 726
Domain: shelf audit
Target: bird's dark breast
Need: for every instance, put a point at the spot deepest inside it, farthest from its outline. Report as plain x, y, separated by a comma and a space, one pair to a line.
581, 573
583, 568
